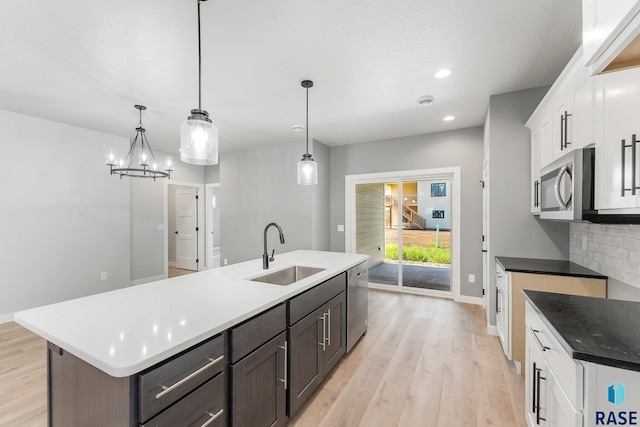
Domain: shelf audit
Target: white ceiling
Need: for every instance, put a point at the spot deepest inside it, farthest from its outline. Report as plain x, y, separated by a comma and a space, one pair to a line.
87, 63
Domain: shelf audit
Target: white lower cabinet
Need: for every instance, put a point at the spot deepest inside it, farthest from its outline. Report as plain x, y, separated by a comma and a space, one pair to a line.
553, 380
503, 309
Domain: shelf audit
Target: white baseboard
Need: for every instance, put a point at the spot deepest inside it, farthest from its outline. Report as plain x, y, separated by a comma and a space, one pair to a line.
470, 300
492, 330
147, 280
172, 263
6, 318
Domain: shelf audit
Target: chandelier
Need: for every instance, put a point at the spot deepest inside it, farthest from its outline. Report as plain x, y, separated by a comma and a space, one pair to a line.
146, 165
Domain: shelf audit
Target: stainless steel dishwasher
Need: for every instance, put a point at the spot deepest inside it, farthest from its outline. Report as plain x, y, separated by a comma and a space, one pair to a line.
357, 303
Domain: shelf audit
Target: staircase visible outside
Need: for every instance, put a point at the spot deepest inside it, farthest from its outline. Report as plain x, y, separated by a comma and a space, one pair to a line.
414, 219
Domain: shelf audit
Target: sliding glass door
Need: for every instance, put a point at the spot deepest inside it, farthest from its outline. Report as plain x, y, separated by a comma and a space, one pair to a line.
405, 226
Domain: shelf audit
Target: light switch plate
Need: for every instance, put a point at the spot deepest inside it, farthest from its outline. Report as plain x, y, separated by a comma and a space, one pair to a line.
340, 227
160, 227
472, 278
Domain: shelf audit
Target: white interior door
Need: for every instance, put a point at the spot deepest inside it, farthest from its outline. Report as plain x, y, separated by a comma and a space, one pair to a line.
186, 229
213, 225
485, 239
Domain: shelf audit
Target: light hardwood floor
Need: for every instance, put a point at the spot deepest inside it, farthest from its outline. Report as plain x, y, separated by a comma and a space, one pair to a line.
175, 272
423, 362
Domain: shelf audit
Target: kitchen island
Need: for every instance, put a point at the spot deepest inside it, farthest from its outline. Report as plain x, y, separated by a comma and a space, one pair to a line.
123, 335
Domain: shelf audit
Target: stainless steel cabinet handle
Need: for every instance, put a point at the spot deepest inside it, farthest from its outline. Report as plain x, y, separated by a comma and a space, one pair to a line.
624, 146
213, 417
566, 127
533, 395
188, 377
329, 327
534, 333
324, 331
286, 362
634, 141
562, 125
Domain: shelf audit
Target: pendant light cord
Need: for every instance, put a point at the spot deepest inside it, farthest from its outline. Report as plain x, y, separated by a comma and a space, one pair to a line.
307, 125
199, 62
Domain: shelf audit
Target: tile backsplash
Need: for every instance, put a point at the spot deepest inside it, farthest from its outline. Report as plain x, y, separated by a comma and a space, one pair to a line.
609, 249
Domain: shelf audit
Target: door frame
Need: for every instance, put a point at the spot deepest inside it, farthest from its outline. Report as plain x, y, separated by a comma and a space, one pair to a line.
201, 218
209, 223
452, 173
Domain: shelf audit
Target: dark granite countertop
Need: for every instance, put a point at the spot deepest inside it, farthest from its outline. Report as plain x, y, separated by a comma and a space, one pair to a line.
597, 330
546, 266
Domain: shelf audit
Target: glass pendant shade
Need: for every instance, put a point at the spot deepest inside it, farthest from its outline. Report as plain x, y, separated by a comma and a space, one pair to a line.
199, 140
307, 171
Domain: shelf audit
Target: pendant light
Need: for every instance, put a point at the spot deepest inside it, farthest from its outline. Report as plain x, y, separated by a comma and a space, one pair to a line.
307, 167
198, 135
147, 165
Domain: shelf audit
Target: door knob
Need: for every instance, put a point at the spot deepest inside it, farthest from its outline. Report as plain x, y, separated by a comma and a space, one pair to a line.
176, 232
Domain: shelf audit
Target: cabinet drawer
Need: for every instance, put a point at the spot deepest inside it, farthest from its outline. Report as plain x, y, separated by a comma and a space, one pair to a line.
196, 409
568, 372
308, 301
256, 331
162, 386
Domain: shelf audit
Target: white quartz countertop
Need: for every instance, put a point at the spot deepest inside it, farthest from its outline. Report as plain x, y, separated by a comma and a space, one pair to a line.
126, 331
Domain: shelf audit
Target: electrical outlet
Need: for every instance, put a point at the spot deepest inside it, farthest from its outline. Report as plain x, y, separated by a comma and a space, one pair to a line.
340, 227
472, 278
103, 275
160, 227
584, 243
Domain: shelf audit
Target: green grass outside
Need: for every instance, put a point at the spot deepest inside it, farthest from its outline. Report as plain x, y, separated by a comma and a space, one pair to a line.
430, 254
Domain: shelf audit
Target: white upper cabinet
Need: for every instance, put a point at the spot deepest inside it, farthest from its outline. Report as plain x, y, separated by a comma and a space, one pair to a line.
584, 118
616, 173
605, 29
536, 137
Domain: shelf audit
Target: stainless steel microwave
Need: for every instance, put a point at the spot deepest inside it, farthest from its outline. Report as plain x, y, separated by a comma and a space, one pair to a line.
561, 188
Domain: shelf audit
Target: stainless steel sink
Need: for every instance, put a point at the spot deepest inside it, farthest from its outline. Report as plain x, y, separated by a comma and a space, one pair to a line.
288, 276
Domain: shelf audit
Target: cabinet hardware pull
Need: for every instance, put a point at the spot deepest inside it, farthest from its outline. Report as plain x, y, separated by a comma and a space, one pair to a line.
634, 141
623, 147
324, 331
188, 377
544, 347
533, 395
213, 417
538, 378
329, 327
566, 127
286, 362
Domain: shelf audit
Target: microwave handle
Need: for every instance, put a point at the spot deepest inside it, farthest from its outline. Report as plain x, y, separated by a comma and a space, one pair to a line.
563, 170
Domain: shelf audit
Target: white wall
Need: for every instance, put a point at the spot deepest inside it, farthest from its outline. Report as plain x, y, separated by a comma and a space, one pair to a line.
514, 231
461, 148
148, 211
65, 219
259, 186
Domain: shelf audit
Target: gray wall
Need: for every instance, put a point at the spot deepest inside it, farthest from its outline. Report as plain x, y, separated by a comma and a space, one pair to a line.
513, 230
259, 186
147, 212
461, 148
65, 220
212, 174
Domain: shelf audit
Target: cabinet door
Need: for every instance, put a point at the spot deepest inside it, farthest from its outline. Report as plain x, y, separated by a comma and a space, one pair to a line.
584, 114
306, 340
536, 145
601, 21
621, 109
546, 149
501, 317
561, 412
536, 385
259, 386
335, 312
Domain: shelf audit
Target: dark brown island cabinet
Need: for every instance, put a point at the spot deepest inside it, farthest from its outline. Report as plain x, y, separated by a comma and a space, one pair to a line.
258, 373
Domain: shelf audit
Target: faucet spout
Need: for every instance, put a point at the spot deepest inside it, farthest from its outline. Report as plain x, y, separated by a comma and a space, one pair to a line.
265, 255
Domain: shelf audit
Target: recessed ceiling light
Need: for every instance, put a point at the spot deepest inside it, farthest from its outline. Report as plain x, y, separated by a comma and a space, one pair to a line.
441, 74
425, 100
448, 118
297, 128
